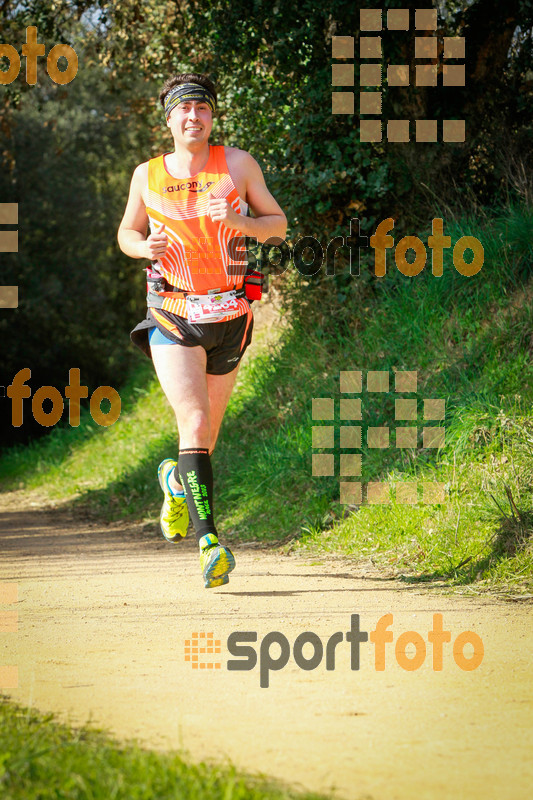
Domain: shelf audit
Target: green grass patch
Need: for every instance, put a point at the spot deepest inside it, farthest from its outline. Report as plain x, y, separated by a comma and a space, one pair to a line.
470, 341
40, 758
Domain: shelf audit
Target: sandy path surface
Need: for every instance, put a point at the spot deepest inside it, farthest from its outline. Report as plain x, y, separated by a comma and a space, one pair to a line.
104, 614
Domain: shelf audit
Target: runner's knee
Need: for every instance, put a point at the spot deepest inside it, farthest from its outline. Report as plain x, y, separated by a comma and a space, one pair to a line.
194, 425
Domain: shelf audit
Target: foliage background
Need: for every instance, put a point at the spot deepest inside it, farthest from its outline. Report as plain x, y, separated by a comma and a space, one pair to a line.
67, 152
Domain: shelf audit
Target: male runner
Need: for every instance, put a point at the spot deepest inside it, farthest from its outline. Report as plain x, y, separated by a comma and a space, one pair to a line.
199, 322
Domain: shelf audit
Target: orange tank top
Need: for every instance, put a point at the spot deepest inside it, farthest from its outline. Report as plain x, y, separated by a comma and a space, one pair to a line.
196, 259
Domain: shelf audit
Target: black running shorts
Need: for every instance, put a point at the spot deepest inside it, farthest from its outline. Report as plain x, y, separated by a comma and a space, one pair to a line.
224, 342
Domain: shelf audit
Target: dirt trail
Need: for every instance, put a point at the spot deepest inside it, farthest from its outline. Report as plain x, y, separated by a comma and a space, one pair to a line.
104, 613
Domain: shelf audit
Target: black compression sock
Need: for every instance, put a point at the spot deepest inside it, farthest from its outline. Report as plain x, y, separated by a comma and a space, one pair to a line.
195, 473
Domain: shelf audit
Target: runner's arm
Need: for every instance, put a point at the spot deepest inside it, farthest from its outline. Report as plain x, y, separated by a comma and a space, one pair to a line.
134, 226
269, 221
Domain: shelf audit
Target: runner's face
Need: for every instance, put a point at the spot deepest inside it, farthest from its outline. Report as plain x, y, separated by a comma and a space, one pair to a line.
191, 122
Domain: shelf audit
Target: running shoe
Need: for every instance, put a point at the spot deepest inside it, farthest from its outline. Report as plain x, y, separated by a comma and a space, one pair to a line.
216, 561
174, 518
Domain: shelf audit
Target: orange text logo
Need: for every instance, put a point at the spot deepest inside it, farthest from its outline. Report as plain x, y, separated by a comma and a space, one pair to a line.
18, 390
31, 50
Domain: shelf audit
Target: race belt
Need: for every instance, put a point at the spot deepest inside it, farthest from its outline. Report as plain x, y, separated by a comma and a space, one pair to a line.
210, 307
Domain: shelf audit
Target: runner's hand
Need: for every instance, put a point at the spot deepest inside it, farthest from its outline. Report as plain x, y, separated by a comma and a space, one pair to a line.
156, 244
221, 211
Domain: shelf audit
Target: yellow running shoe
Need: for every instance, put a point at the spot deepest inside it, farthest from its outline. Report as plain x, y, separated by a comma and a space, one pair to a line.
174, 518
216, 561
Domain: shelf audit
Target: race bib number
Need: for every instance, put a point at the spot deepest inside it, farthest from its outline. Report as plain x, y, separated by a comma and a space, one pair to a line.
210, 307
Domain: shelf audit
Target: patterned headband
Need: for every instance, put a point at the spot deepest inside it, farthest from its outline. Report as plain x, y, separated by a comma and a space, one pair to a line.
188, 91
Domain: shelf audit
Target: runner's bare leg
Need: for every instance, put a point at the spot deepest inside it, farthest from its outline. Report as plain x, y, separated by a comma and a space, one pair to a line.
219, 388
197, 399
